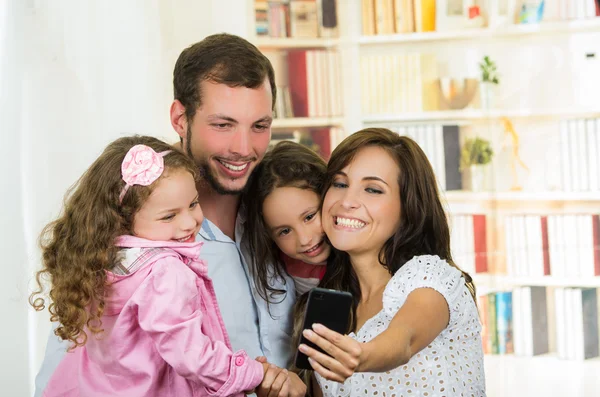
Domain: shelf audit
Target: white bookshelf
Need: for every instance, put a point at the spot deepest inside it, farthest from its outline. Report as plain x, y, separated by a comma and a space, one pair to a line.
507, 375
476, 115
502, 281
536, 197
513, 31
285, 43
306, 122
541, 376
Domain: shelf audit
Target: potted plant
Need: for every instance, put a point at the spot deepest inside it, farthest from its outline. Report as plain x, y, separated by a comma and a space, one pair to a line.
475, 155
489, 80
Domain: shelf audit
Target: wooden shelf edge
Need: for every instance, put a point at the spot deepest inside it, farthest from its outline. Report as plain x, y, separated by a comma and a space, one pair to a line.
306, 122
516, 30
466, 196
283, 43
479, 115
492, 281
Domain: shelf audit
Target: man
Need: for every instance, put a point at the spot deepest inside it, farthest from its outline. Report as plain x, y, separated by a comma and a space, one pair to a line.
225, 93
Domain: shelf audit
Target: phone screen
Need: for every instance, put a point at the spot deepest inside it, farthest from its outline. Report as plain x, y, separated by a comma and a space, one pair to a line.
328, 307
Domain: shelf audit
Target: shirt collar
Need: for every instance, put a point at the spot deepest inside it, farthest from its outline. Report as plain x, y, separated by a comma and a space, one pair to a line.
210, 232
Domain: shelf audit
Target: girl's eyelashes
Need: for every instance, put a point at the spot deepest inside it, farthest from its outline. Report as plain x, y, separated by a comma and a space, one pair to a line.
283, 232
168, 217
339, 185
309, 217
194, 204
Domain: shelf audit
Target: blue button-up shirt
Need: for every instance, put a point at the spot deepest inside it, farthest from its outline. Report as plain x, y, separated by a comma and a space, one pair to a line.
247, 320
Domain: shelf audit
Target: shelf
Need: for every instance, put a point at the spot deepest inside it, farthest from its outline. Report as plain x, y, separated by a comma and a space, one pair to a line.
545, 28
541, 376
474, 115
306, 122
490, 281
461, 195
283, 43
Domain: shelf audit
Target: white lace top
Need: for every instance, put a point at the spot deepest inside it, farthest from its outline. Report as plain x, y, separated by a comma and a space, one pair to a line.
452, 365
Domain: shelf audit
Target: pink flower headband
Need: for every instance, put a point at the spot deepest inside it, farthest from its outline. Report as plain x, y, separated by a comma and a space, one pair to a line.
141, 166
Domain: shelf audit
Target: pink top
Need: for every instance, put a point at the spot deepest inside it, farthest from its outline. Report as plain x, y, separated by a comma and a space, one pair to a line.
163, 333
306, 276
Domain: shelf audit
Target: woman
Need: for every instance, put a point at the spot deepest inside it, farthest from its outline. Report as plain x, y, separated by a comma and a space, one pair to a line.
415, 329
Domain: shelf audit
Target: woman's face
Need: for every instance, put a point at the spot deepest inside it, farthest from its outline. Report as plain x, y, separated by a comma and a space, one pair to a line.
294, 222
361, 210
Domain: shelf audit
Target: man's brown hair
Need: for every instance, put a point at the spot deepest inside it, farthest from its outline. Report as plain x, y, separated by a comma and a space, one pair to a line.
223, 59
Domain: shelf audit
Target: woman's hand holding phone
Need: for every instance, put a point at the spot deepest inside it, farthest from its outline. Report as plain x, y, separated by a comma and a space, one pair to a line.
344, 354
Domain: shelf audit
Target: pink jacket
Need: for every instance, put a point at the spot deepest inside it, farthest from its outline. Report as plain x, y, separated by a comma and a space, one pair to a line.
163, 334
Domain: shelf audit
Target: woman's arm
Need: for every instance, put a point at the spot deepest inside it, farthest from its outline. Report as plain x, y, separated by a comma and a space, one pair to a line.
422, 317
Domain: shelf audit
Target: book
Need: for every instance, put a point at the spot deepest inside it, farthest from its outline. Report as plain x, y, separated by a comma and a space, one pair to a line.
328, 20
493, 323
304, 20
452, 157
261, 12
504, 322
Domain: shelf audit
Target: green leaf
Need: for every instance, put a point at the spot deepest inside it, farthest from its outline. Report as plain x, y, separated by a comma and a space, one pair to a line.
475, 151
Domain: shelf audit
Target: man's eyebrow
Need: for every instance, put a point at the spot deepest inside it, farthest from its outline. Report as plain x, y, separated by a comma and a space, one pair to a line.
219, 116
263, 119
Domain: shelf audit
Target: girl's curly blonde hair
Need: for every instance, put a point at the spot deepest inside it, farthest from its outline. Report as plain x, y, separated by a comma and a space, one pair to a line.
78, 247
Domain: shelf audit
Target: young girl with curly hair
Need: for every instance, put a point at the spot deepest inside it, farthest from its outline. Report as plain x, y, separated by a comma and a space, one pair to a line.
127, 285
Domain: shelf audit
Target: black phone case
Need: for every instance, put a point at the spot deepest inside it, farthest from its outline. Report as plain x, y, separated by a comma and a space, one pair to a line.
328, 307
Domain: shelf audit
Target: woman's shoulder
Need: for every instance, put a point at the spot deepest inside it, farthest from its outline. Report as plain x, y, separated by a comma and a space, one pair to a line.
422, 271
425, 266
429, 260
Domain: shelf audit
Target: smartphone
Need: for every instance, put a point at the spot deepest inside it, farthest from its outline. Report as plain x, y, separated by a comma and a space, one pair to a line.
328, 307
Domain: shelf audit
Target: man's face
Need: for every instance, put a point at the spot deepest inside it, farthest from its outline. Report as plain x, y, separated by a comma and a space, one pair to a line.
229, 134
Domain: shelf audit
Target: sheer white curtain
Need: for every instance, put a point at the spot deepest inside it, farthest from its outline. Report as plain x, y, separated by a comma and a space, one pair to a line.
13, 334
74, 75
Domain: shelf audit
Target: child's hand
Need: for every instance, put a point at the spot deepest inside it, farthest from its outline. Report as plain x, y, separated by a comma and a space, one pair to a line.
345, 354
296, 386
275, 382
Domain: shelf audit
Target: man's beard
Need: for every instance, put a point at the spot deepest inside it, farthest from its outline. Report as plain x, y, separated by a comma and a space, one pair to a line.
206, 172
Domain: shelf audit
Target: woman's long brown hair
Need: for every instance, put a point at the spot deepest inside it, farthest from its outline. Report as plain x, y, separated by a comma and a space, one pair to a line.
78, 247
423, 222
424, 226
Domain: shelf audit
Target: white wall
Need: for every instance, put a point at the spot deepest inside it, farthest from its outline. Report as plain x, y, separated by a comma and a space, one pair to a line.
75, 75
